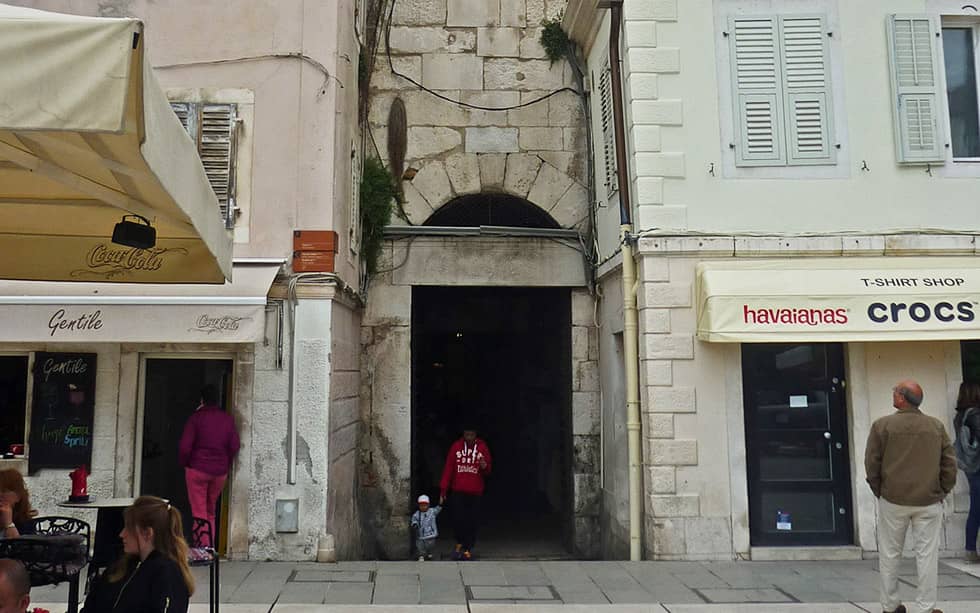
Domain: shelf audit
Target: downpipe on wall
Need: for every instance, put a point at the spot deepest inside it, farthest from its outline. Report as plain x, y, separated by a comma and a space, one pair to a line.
631, 345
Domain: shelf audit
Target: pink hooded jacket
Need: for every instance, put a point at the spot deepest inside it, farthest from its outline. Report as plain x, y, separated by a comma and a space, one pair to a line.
210, 441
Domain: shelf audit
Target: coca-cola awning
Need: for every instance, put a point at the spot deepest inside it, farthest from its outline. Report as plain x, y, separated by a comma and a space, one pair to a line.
34, 311
87, 136
839, 299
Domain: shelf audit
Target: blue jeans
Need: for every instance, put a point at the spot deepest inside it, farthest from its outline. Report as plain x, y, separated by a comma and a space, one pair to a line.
973, 519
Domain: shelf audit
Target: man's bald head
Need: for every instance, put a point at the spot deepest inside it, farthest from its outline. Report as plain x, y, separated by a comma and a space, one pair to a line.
15, 587
907, 394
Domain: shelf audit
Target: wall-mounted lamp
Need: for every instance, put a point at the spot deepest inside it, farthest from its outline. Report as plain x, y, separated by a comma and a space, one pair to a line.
135, 234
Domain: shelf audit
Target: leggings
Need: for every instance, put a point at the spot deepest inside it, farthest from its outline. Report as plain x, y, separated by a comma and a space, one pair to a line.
466, 518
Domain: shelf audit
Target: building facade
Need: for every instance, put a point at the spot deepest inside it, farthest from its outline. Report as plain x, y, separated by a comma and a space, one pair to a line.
804, 206
481, 311
263, 88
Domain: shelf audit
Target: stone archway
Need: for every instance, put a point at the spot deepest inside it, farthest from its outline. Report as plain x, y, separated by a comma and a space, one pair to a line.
526, 176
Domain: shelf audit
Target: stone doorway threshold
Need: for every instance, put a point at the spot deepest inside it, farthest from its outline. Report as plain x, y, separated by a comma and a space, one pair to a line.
526, 539
801, 554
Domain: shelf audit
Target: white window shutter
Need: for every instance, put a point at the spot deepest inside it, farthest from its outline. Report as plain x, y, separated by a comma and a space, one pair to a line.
808, 100
214, 129
914, 63
219, 130
611, 180
756, 92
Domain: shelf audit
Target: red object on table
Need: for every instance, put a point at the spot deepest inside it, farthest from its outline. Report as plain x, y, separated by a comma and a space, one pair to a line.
79, 484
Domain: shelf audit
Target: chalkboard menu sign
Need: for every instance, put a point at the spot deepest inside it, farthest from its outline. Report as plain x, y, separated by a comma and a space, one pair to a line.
63, 411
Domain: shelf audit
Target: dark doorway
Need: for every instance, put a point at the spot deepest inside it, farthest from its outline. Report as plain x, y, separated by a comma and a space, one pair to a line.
172, 391
500, 357
796, 444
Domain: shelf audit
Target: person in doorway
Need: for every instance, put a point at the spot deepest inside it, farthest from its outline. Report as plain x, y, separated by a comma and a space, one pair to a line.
153, 575
467, 464
426, 529
966, 429
207, 447
911, 468
15, 505
15, 587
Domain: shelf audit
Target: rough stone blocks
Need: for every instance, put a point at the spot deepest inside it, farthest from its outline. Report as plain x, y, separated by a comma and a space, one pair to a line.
491, 140
655, 321
662, 479
664, 452
656, 59
660, 165
657, 112
671, 400
498, 42
661, 10
452, 71
668, 347
708, 535
660, 425
419, 12
666, 295
472, 13
667, 535
658, 372
676, 505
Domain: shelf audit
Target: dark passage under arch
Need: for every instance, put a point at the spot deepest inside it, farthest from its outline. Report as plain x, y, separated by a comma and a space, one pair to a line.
491, 210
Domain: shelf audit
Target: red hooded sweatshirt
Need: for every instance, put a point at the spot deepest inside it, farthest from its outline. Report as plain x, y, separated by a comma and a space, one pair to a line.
462, 472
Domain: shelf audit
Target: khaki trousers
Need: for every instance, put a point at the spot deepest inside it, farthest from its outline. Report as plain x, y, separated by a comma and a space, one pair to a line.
893, 522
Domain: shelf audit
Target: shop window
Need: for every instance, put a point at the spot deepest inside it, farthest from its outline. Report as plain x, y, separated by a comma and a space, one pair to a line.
960, 60
970, 356
13, 401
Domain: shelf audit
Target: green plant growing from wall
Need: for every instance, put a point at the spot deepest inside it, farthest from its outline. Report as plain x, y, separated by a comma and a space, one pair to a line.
554, 39
378, 194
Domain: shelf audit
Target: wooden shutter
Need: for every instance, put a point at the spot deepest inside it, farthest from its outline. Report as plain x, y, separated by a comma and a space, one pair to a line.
756, 92
214, 128
912, 46
608, 129
807, 96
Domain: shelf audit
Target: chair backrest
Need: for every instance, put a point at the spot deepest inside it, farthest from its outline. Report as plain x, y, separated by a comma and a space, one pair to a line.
201, 535
52, 524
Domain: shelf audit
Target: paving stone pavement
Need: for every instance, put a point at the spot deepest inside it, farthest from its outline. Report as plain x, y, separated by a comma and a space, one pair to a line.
578, 587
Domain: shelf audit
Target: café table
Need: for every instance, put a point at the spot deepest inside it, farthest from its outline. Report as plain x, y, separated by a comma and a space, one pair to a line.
50, 559
107, 547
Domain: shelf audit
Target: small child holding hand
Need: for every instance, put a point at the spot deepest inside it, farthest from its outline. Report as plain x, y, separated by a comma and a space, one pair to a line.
426, 530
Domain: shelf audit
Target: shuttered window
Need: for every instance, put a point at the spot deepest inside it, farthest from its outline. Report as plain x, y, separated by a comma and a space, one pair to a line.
781, 91
608, 129
912, 51
214, 128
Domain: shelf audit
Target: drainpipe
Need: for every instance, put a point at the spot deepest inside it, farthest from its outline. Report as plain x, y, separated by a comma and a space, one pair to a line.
631, 326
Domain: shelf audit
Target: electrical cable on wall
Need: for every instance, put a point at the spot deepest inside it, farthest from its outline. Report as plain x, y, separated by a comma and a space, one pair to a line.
478, 107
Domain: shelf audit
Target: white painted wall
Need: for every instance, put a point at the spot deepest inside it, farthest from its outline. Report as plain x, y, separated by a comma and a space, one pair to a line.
679, 123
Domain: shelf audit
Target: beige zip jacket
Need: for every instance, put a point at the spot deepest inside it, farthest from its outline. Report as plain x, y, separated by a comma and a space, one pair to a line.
909, 459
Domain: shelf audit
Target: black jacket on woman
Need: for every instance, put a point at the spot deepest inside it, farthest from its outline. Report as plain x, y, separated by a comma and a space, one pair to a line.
154, 585
973, 422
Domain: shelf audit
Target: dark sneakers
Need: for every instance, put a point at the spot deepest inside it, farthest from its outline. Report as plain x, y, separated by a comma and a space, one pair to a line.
900, 609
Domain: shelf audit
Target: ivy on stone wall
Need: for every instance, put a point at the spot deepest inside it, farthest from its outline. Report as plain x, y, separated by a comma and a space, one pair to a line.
554, 39
378, 193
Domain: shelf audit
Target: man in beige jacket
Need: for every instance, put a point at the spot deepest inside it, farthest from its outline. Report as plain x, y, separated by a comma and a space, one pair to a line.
911, 467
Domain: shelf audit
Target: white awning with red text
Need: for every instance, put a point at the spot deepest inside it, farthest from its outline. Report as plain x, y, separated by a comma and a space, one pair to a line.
840, 299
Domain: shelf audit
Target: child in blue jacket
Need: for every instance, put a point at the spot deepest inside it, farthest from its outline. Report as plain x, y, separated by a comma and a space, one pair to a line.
426, 530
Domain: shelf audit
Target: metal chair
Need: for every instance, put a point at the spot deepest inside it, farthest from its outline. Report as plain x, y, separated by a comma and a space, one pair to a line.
56, 552
204, 552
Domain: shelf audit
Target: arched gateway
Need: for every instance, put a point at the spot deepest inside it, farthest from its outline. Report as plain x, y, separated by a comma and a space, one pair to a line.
482, 313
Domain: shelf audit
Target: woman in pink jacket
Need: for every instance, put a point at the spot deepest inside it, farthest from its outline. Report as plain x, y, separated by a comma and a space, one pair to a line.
208, 445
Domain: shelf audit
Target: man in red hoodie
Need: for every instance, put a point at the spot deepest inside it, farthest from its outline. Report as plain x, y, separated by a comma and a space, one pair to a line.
208, 445
467, 463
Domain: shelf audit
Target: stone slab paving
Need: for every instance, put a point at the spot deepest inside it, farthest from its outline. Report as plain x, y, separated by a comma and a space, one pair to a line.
516, 587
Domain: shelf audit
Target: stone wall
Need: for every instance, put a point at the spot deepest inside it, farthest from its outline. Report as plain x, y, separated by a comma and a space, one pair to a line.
484, 53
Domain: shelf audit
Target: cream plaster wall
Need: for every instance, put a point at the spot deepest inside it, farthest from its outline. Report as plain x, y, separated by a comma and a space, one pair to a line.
679, 126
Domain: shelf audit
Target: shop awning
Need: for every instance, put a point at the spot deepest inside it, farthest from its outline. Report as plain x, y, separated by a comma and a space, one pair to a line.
841, 299
86, 136
34, 311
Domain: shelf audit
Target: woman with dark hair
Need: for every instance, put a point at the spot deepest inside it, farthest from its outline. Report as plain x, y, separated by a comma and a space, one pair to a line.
15, 505
966, 426
153, 575
208, 445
